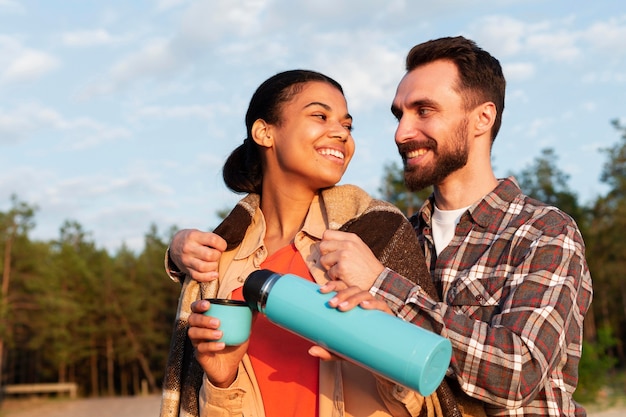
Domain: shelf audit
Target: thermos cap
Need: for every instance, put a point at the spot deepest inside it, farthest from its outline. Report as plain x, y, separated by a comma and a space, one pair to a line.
256, 288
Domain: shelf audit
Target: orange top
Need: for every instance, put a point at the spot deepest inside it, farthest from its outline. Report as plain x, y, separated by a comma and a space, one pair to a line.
288, 376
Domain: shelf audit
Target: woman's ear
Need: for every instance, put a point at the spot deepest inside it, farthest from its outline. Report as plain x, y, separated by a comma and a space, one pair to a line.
485, 118
262, 133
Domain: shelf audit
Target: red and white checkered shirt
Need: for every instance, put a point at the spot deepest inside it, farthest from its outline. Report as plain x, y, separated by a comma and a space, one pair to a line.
515, 288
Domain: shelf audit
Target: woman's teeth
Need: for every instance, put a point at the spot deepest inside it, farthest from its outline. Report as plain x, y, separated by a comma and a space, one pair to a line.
332, 152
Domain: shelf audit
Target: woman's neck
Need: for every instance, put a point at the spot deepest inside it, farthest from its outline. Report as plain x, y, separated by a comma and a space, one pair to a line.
284, 214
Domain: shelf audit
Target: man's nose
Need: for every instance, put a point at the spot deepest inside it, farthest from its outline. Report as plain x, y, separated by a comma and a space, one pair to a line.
404, 131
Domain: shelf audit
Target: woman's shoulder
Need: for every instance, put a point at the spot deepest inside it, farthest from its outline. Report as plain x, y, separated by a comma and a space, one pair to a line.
354, 201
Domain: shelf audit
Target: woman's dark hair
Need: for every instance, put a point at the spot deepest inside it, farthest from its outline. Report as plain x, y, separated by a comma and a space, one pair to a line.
480, 74
243, 170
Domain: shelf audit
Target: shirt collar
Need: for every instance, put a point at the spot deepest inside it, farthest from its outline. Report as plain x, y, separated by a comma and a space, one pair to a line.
488, 209
314, 225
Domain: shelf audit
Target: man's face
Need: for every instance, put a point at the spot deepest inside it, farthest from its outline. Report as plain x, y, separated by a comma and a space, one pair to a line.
432, 132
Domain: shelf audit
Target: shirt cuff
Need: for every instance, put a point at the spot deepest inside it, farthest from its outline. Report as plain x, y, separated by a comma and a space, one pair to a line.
212, 397
172, 270
378, 282
393, 288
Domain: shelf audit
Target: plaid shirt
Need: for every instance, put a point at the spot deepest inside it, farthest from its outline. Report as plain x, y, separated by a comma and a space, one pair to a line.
516, 288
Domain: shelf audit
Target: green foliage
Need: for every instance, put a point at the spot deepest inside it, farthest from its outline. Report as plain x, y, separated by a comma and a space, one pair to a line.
394, 191
544, 181
614, 170
86, 316
594, 366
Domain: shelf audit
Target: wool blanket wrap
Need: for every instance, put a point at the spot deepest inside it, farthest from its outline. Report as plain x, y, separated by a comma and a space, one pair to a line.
379, 224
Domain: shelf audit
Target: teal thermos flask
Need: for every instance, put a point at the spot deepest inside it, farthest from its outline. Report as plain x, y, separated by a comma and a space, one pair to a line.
397, 350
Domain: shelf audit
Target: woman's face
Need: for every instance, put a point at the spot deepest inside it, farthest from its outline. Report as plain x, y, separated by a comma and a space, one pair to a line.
312, 144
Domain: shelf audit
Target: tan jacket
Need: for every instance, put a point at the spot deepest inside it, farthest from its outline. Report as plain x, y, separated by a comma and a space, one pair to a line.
345, 390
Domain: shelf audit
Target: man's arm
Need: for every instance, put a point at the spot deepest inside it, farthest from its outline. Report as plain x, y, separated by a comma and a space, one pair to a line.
537, 322
194, 253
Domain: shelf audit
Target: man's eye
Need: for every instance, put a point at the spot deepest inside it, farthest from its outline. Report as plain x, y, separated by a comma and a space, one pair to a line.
348, 127
423, 111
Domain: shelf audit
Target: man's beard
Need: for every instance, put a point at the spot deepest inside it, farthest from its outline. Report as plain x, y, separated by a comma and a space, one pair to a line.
444, 163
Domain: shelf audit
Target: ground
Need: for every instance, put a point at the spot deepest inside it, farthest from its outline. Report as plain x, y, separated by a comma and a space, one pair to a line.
146, 406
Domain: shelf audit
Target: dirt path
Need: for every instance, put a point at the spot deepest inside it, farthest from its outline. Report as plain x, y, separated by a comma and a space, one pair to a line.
131, 407
147, 406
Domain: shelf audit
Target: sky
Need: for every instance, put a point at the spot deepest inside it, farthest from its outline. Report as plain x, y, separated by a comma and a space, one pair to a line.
119, 114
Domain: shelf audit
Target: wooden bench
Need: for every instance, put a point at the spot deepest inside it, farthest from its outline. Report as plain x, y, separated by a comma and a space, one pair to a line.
69, 387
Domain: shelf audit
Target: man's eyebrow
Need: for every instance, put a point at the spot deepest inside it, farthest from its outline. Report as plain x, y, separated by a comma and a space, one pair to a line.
414, 104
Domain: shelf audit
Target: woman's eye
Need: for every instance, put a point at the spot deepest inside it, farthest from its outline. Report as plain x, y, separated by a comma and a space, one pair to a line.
348, 127
321, 116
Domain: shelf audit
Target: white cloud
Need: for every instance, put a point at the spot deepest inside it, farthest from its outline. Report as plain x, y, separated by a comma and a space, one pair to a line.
605, 77
503, 36
204, 28
11, 6
209, 21
535, 131
93, 37
518, 71
21, 122
156, 58
28, 65
608, 35
500, 35
165, 5
177, 112
558, 46
368, 70
27, 119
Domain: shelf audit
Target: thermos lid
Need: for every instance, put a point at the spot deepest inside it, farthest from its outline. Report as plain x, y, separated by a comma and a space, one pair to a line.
254, 291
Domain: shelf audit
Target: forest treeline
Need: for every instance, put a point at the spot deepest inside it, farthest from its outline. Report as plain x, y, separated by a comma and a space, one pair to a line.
73, 312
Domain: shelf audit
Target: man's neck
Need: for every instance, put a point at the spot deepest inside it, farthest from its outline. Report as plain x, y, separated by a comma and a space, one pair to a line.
462, 189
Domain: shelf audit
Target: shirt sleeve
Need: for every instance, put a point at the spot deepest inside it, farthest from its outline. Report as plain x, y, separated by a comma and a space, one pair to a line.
505, 359
221, 402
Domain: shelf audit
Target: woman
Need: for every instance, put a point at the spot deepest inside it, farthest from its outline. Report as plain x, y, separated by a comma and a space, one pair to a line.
298, 146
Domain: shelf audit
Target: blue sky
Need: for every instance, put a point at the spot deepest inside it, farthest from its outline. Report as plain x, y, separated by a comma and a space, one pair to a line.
119, 114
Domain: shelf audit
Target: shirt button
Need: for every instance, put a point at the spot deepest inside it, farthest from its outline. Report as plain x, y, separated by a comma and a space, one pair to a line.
480, 298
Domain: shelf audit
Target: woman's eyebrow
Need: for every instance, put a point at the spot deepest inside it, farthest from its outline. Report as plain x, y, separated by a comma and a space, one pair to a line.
326, 107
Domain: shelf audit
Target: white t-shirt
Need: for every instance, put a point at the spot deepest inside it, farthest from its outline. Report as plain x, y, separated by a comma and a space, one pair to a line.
444, 223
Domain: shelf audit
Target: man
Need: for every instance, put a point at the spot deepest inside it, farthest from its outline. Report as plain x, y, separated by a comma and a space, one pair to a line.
510, 270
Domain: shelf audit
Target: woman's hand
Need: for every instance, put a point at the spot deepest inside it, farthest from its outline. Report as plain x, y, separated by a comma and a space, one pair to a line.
219, 362
347, 258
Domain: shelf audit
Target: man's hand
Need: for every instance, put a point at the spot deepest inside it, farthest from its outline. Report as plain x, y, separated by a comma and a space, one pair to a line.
347, 258
197, 253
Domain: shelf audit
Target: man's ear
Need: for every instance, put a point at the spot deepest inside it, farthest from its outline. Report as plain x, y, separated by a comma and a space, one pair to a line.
485, 115
262, 133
